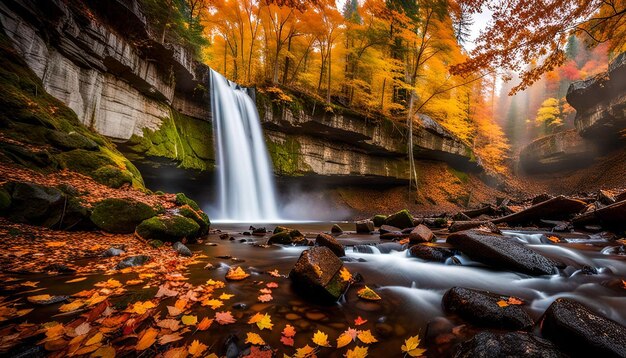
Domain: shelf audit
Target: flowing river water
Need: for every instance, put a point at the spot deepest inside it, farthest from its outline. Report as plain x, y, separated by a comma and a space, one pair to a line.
411, 289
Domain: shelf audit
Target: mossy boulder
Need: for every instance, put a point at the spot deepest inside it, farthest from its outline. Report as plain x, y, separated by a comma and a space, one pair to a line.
402, 219
168, 228
120, 215
84, 161
182, 199
39, 160
70, 141
112, 176
379, 220
199, 217
36, 204
288, 237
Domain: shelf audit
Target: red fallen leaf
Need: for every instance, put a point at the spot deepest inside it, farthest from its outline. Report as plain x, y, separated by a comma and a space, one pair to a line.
514, 301
288, 341
289, 331
359, 321
97, 311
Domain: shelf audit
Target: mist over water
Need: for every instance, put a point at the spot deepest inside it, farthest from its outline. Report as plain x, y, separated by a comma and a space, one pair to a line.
246, 188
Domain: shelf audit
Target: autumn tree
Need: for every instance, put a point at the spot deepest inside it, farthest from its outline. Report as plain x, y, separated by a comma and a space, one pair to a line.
522, 33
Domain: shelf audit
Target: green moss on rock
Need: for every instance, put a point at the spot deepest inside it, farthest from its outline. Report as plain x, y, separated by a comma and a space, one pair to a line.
286, 156
402, 219
167, 228
120, 215
182, 199
379, 220
199, 217
70, 141
112, 176
182, 138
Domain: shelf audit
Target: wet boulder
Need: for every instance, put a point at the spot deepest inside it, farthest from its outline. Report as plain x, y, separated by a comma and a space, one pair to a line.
479, 225
430, 253
286, 236
511, 344
364, 226
182, 249
481, 309
388, 228
579, 331
167, 228
199, 217
133, 261
182, 199
559, 207
112, 251
328, 241
402, 219
421, 234
336, 229
379, 220
317, 275
609, 216
500, 252
36, 204
120, 216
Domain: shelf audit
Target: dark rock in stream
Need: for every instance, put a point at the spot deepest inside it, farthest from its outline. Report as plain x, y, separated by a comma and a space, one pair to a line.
316, 275
388, 228
364, 226
555, 208
288, 237
330, 242
336, 229
481, 309
609, 216
379, 220
133, 261
112, 251
430, 253
579, 331
182, 249
468, 225
512, 344
421, 234
501, 252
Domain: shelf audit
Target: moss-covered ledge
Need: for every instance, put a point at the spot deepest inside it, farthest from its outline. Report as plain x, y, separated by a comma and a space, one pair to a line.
187, 140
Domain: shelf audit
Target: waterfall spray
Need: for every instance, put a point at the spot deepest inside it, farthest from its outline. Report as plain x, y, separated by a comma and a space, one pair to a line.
246, 184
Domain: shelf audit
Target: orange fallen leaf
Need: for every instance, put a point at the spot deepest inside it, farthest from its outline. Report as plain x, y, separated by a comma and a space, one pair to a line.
321, 339
196, 348
514, 301
289, 331
366, 337
502, 303
359, 321
357, 352
265, 298
236, 274
554, 239
224, 317
204, 324
79, 279
146, 339
288, 341
254, 338
271, 285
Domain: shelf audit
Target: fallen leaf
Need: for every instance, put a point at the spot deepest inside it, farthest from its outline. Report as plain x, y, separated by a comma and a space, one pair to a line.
171, 324
260, 352
180, 352
224, 317
265, 298
189, 320
321, 339
289, 331
368, 294
502, 303
146, 339
164, 291
134, 282
274, 273
305, 352
140, 307
359, 321
173, 311
72, 306
82, 329
411, 347
366, 337
169, 338
271, 285
104, 352
357, 352
554, 239
262, 321
514, 301
196, 348
236, 274
214, 304
226, 296
345, 274
79, 279
254, 338
204, 324
288, 341
39, 299
343, 340
97, 338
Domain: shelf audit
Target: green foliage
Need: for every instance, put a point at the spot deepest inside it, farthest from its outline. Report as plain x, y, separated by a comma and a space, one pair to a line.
174, 21
549, 115
120, 215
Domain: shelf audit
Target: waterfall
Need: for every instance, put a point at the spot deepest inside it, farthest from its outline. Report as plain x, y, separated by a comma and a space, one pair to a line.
246, 184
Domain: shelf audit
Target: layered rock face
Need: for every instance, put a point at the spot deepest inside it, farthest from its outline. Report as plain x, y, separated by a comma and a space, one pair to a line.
600, 104
109, 69
303, 142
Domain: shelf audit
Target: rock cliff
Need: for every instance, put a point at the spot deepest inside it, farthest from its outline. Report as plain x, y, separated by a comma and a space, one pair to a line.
600, 104
124, 83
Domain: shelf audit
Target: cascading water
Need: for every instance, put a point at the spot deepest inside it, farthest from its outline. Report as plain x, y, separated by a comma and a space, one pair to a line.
246, 185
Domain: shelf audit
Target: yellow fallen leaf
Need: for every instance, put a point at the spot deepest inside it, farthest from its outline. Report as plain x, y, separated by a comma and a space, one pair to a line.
104, 352
345, 274
72, 306
196, 348
147, 339
189, 320
79, 279
140, 307
305, 352
368, 294
343, 340
411, 347
226, 296
254, 338
366, 337
321, 339
134, 282
213, 303
262, 321
97, 338
357, 352
39, 299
